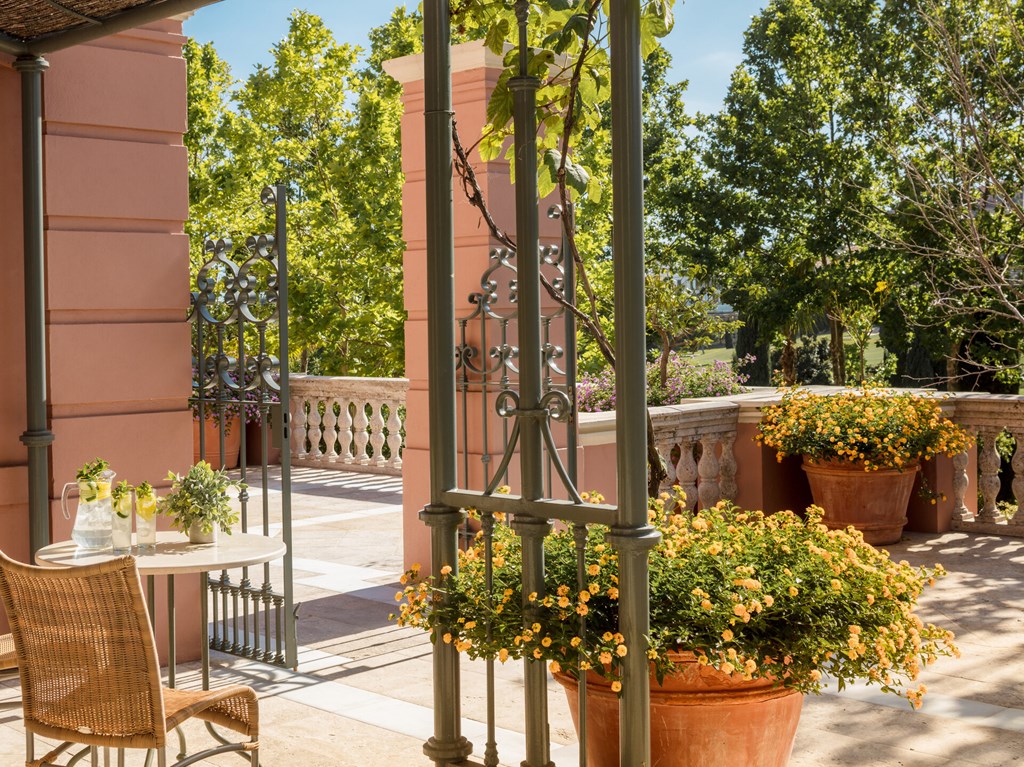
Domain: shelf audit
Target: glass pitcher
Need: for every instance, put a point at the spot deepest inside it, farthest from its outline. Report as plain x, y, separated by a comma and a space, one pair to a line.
92, 518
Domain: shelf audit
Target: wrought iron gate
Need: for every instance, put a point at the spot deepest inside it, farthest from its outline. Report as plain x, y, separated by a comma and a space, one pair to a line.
239, 313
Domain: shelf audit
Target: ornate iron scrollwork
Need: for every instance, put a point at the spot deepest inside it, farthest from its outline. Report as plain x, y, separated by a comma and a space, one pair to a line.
491, 366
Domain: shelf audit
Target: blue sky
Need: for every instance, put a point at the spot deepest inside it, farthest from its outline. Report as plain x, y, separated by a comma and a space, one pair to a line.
705, 44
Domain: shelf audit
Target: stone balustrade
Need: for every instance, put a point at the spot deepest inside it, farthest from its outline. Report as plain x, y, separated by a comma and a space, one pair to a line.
987, 416
355, 424
708, 449
707, 446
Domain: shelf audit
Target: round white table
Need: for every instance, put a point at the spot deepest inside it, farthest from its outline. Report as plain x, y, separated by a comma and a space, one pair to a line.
176, 556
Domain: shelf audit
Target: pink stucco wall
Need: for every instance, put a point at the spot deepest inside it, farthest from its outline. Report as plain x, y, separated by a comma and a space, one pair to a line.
116, 198
474, 74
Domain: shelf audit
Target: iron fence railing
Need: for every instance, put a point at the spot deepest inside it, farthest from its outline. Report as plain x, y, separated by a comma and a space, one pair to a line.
239, 339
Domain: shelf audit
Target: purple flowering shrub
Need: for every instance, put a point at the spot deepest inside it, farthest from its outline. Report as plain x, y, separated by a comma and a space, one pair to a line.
686, 380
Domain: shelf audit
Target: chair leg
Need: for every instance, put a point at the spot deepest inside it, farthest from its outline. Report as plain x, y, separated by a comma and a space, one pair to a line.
161, 758
254, 757
120, 757
30, 746
94, 756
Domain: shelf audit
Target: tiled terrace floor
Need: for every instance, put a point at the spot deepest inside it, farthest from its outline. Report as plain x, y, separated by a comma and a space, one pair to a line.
363, 694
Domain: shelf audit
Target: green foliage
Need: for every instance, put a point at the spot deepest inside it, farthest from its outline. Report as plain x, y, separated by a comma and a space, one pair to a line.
330, 130
752, 595
200, 497
682, 318
92, 471
595, 392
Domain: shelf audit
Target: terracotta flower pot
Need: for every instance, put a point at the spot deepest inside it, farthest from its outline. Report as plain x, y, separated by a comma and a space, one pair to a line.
254, 446
699, 717
232, 442
874, 502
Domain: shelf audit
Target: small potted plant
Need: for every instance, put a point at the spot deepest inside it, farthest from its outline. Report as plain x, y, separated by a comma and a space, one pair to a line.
747, 611
862, 450
198, 503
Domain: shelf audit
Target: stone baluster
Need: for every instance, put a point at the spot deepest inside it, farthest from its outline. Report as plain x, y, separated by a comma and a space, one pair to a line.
727, 468
708, 472
1018, 476
377, 433
960, 484
686, 471
298, 409
330, 421
345, 430
394, 435
315, 433
988, 470
665, 451
360, 436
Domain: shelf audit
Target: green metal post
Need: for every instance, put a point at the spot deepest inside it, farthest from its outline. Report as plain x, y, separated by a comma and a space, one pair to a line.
632, 535
37, 437
531, 454
281, 241
447, 744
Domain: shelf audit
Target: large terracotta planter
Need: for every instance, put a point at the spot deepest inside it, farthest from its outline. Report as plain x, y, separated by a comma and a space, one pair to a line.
232, 443
874, 502
254, 444
699, 718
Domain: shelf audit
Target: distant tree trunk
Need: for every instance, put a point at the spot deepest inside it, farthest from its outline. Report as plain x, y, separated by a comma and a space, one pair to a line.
837, 352
748, 342
952, 366
788, 362
666, 350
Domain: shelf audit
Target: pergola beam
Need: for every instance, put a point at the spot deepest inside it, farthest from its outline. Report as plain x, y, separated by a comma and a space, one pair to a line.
84, 33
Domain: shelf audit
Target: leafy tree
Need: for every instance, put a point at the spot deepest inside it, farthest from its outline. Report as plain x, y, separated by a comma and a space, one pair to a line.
330, 129
796, 179
211, 185
683, 316
957, 195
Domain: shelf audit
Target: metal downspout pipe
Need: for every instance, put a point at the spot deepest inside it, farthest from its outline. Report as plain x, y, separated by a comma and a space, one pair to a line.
37, 437
447, 745
632, 535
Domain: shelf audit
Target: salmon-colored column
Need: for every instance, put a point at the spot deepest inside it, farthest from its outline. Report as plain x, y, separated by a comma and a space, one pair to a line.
475, 71
116, 198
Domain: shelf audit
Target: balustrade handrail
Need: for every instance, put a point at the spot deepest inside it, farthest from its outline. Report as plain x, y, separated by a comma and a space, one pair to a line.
346, 422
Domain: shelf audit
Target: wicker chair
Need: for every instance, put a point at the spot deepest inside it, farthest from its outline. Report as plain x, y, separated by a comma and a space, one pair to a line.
89, 669
8, 658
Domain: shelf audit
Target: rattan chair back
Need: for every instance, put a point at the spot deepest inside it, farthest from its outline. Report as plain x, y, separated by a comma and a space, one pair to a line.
85, 648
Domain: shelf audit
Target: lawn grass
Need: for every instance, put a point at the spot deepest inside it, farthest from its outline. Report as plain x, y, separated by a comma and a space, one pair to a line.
872, 357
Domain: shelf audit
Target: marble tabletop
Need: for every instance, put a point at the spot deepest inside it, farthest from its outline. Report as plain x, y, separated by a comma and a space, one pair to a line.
174, 554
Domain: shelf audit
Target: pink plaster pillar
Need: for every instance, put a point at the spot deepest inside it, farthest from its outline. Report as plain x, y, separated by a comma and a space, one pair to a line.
475, 71
115, 202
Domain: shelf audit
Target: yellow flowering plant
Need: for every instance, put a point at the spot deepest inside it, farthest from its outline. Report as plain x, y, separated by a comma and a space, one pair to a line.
881, 428
761, 596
